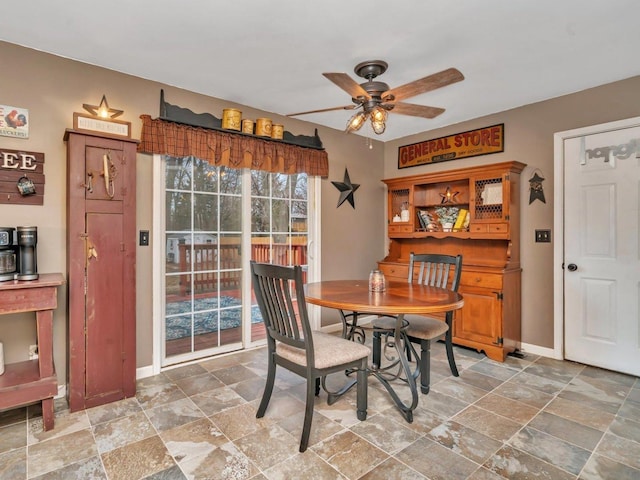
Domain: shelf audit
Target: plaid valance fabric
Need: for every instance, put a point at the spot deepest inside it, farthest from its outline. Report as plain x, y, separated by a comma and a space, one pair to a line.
229, 149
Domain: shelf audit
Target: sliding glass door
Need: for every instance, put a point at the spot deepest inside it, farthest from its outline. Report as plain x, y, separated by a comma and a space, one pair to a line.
211, 216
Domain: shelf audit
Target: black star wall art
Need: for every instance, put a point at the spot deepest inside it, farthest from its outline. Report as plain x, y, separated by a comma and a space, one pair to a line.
347, 189
535, 189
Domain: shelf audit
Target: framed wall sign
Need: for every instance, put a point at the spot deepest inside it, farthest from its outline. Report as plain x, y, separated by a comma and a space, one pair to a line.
104, 126
14, 121
472, 143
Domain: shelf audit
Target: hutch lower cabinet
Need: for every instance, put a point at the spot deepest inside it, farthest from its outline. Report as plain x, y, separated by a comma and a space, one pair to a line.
101, 257
474, 212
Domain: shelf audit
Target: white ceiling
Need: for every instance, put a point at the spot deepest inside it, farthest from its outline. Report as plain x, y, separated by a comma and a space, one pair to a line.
270, 55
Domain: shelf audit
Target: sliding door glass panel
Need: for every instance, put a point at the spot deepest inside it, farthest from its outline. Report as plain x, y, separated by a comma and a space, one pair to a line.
203, 265
279, 227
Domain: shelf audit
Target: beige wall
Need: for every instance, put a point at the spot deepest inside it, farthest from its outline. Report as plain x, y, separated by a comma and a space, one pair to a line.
52, 88
529, 139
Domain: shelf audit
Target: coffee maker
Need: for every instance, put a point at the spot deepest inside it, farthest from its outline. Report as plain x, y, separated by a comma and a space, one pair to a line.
18, 258
27, 258
8, 254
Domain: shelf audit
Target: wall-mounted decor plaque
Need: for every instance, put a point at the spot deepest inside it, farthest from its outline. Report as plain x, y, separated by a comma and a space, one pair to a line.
104, 126
21, 177
14, 121
473, 143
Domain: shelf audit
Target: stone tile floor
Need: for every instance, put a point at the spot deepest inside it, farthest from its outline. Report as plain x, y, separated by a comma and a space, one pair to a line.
529, 418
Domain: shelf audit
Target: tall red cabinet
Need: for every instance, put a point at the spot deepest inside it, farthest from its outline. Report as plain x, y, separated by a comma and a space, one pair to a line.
101, 258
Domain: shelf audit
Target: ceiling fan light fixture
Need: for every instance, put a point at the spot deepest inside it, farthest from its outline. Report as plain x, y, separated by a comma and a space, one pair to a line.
378, 127
378, 114
378, 119
356, 121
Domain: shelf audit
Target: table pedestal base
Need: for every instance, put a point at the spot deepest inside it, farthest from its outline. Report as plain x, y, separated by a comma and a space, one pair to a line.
353, 331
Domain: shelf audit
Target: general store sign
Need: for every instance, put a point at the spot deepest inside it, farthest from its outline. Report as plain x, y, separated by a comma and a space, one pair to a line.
473, 143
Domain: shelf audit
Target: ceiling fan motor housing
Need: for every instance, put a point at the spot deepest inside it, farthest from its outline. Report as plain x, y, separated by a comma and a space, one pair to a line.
371, 69
375, 91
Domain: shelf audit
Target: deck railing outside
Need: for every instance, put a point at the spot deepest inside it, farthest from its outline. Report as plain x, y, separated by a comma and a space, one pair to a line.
206, 274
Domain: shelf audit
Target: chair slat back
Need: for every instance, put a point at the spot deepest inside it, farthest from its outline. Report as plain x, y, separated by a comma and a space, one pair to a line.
436, 270
280, 295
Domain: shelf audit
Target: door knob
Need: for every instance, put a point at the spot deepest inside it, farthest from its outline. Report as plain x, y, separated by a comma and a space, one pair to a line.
572, 267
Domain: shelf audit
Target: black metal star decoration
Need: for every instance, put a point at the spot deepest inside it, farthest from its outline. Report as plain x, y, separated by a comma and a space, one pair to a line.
347, 189
535, 189
103, 107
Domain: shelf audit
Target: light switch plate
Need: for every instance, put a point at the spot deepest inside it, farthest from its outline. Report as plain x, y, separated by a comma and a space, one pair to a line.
543, 236
144, 238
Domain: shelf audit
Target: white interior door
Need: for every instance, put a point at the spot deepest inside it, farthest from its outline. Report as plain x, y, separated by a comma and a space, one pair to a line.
601, 273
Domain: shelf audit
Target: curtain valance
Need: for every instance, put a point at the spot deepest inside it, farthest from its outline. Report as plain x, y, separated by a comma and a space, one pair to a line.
229, 149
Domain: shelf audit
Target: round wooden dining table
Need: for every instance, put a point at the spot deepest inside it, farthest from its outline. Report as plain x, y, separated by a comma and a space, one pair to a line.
398, 299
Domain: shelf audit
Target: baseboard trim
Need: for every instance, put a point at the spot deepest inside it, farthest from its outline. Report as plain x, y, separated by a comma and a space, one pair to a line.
525, 347
62, 391
537, 350
334, 327
337, 327
144, 372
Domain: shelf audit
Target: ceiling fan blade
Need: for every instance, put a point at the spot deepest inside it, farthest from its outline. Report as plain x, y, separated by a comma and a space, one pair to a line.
348, 84
426, 84
416, 110
346, 107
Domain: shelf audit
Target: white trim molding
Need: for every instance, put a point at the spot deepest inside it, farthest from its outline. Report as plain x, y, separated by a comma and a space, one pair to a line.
558, 221
538, 350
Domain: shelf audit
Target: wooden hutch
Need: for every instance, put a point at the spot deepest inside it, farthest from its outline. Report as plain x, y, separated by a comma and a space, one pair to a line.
489, 244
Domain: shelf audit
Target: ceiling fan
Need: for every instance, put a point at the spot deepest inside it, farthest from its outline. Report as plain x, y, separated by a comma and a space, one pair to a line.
376, 98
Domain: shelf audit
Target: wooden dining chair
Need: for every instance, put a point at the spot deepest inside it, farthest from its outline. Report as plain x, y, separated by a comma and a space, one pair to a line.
293, 345
438, 271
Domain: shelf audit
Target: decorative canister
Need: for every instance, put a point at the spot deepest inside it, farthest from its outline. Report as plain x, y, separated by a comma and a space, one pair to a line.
277, 131
231, 119
263, 127
404, 212
376, 281
247, 126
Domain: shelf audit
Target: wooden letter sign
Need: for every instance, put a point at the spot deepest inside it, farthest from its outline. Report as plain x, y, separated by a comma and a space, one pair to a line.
17, 169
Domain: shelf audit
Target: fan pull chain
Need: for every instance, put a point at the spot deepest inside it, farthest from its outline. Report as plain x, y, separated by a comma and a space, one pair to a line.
369, 143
